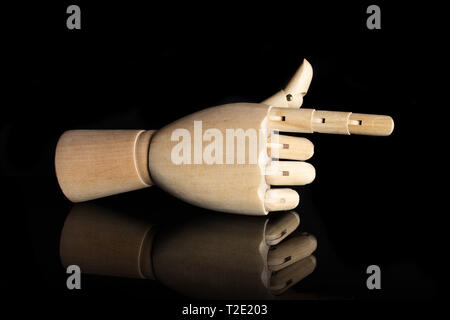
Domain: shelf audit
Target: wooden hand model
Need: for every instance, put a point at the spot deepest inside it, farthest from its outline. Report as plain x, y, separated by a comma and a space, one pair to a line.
223, 158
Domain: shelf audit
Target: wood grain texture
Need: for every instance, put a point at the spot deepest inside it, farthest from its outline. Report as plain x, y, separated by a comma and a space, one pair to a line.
92, 164
337, 122
235, 188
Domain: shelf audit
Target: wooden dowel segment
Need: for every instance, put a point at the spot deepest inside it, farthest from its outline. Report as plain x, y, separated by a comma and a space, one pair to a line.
291, 120
290, 148
370, 124
289, 173
281, 199
330, 122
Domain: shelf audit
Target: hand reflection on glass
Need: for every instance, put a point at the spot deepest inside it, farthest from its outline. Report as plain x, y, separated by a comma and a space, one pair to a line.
210, 256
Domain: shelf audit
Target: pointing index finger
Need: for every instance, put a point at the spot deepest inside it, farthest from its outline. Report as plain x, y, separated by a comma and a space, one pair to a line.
310, 120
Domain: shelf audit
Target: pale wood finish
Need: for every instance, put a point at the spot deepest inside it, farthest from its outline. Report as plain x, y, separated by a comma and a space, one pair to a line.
96, 163
292, 95
235, 188
379, 125
92, 164
291, 148
289, 173
281, 199
309, 120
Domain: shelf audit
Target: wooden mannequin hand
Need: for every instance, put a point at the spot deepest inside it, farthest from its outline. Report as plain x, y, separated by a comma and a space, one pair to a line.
224, 158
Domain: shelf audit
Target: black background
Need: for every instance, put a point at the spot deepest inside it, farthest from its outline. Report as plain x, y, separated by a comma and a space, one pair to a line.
136, 66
